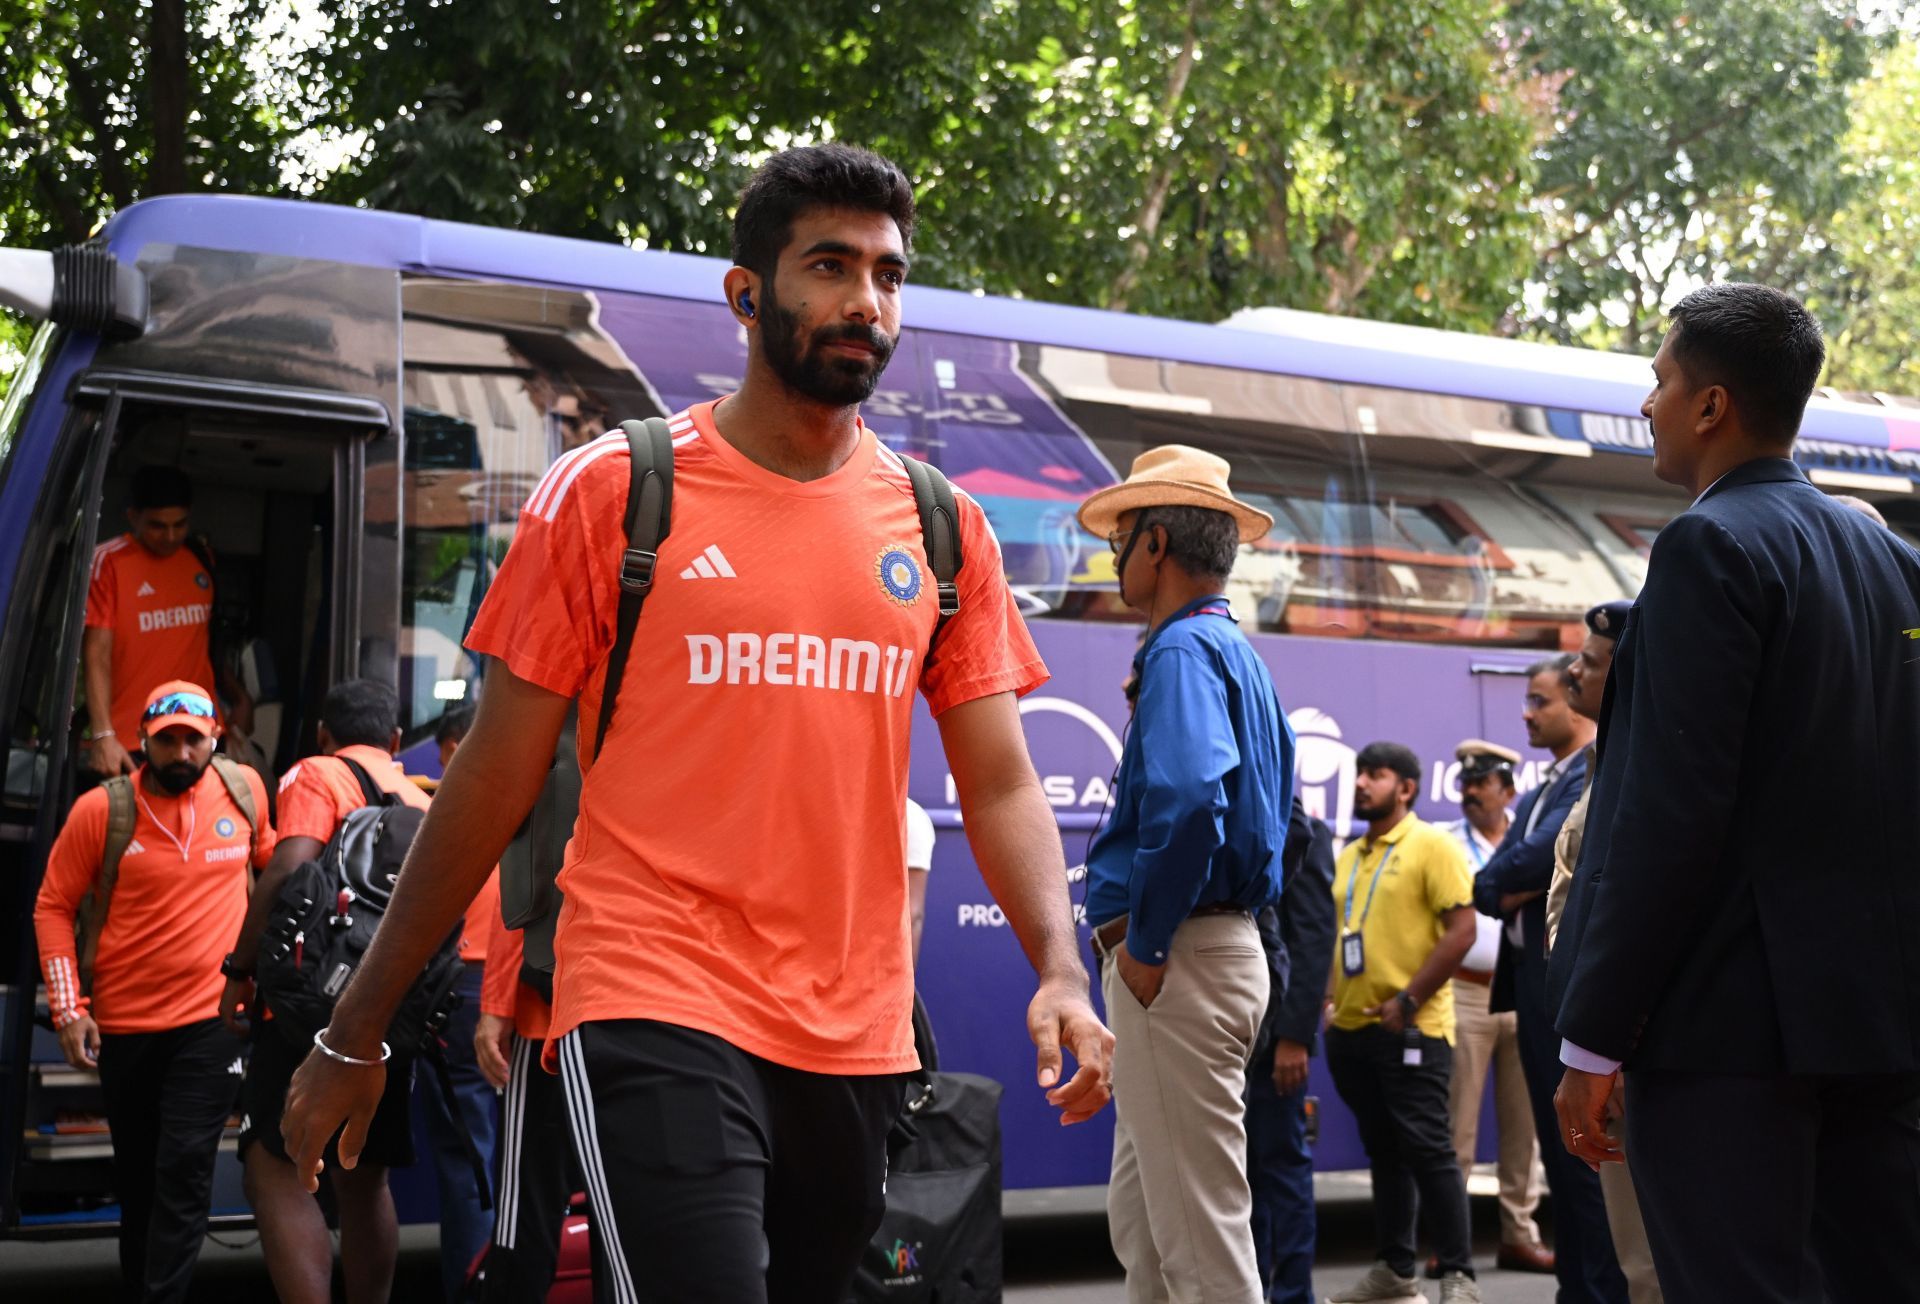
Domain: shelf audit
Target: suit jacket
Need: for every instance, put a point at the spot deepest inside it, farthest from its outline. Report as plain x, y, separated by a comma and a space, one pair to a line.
1748, 893
1298, 934
1524, 863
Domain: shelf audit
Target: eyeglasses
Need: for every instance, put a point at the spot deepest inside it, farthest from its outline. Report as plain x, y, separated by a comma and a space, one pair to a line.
1114, 539
180, 704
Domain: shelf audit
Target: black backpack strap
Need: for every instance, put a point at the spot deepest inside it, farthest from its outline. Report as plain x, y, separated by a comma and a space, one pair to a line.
649, 517
940, 533
370, 791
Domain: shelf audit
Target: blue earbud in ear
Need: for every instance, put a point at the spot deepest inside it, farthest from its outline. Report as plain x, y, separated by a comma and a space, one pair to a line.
746, 302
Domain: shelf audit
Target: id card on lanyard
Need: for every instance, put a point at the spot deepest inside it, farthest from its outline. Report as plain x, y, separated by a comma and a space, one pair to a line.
1353, 951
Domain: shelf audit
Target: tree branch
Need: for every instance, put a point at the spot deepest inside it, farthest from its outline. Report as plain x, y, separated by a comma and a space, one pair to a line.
72, 215
1147, 222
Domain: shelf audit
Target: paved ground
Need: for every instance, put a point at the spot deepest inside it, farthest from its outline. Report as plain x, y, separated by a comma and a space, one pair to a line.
1056, 1253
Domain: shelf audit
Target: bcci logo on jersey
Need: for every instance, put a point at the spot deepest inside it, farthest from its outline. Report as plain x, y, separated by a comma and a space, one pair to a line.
899, 575
224, 828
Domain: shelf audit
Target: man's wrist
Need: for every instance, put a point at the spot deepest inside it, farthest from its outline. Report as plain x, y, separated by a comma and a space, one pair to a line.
1409, 1005
233, 967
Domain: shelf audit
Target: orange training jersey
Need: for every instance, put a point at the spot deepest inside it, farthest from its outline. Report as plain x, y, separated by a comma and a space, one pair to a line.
158, 612
320, 791
174, 913
502, 994
738, 865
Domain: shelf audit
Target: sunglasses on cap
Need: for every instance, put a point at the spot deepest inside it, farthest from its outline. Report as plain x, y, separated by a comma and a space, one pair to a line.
180, 704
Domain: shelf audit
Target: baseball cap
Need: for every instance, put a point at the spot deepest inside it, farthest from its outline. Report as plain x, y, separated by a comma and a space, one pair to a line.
1609, 618
1478, 756
179, 702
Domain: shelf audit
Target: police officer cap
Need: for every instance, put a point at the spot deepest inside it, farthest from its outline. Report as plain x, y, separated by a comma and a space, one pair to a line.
1609, 618
1478, 757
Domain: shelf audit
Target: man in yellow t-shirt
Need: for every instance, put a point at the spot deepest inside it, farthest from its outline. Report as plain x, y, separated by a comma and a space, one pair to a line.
1403, 909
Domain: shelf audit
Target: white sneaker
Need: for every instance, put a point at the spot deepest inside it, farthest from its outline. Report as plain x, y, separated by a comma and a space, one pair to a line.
1459, 1288
1382, 1285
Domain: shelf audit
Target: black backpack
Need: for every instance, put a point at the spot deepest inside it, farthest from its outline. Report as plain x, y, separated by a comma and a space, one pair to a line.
323, 920
939, 1241
529, 897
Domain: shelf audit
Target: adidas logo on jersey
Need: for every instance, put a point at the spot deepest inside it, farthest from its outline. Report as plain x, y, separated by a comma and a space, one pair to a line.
709, 565
134, 848
146, 589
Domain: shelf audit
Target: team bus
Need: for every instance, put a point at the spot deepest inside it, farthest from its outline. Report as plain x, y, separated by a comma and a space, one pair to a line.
364, 400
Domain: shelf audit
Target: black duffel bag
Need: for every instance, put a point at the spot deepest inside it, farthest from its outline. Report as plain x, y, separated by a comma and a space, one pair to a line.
939, 1242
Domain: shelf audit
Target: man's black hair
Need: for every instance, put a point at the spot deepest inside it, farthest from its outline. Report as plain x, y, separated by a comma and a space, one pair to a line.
1758, 342
1557, 666
814, 176
159, 486
1397, 757
1201, 539
454, 725
362, 712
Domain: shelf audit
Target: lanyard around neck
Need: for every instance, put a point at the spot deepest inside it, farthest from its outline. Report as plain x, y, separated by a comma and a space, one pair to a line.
193, 821
1346, 917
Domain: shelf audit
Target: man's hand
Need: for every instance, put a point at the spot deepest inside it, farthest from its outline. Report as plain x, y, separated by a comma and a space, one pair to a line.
1143, 980
1061, 1015
108, 757
236, 1005
1391, 1013
324, 1094
1581, 1102
492, 1041
1289, 1066
80, 1043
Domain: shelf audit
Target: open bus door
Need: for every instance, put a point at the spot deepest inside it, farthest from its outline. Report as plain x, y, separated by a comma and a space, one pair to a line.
288, 464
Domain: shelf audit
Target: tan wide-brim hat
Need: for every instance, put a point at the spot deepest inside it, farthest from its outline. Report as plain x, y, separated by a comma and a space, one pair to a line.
1172, 475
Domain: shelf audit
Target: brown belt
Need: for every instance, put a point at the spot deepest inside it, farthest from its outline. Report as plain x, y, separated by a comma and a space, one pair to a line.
1110, 934
1482, 976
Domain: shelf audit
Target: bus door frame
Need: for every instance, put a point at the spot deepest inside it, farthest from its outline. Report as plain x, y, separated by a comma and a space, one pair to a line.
350, 419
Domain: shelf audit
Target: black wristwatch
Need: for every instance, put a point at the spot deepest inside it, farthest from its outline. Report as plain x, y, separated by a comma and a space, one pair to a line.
1408, 1006
233, 969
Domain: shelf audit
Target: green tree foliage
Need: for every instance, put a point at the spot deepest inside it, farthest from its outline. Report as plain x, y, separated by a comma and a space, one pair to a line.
1695, 140
1167, 155
103, 102
1869, 300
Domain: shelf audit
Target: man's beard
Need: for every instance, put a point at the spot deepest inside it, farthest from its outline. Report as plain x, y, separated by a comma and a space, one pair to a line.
1367, 812
840, 381
176, 778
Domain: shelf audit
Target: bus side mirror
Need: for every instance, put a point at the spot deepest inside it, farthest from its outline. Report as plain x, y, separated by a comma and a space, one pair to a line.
82, 286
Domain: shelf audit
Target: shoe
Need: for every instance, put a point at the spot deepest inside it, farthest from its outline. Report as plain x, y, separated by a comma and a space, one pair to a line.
1382, 1285
1433, 1268
1459, 1288
1524, 1258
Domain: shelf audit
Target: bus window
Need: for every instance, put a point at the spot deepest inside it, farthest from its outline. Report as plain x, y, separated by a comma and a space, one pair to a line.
498, 380
21, 390
1398, 514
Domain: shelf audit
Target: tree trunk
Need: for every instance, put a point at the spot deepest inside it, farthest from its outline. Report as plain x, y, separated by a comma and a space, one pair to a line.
1160, 181
167, 85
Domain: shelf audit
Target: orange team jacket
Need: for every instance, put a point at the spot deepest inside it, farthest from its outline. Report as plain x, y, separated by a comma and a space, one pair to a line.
739, 862
158, 613
502, 994
174, 914
320, 791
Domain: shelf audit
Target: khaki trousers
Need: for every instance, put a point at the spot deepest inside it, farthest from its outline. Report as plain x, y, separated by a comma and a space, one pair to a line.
1629, 1232
1483, 1042
1179, 1209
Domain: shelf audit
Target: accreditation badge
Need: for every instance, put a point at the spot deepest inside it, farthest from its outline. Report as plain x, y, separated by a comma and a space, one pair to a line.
1353, 955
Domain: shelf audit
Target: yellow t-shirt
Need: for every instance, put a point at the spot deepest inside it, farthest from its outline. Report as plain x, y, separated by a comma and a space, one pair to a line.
1425, 875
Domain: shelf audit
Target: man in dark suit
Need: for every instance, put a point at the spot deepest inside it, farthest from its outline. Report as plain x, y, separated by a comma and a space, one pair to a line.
1513, 887
1297, 933
1740, 932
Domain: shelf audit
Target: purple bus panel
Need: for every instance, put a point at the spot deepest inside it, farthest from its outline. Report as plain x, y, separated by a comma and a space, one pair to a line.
1339, 696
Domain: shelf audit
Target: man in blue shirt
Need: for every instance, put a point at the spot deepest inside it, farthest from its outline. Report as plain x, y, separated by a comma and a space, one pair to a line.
1193, 850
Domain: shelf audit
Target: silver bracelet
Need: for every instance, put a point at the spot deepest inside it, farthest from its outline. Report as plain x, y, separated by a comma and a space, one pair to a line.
320, 1041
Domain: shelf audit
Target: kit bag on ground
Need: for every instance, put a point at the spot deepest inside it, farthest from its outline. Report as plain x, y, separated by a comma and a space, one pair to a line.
323, 921
90, 920
529, 896
939, 1240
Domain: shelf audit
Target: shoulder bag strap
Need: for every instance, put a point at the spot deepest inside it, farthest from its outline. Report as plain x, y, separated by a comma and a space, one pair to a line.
649, 517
